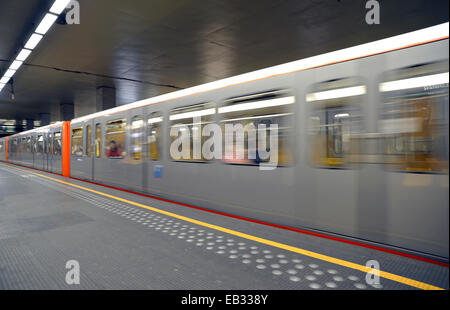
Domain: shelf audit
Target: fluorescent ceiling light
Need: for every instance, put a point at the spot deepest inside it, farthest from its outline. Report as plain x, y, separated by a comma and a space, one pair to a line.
192, 114
342, 115
10, 73
5, 80
33, 41
59, 6
23, 55
46, 23
422, 81
255, 117
337, 93
15, 65
155, 120
257, 105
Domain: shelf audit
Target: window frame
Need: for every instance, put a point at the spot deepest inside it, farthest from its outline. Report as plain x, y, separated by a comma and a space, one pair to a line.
123, 153
81, 136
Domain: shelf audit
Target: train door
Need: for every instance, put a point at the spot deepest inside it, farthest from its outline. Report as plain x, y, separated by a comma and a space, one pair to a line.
335, 115
40, 150
115, 166
89, 149
153, 152
98, 154
136, 149
413, 128
57, 150
47, 148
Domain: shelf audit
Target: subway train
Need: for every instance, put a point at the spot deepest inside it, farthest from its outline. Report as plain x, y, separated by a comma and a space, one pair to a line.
362, 134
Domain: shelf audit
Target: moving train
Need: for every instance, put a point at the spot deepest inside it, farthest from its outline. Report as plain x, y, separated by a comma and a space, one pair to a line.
362, 144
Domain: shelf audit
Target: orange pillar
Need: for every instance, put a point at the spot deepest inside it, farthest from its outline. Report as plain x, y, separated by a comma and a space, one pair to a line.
66, 150
6, 150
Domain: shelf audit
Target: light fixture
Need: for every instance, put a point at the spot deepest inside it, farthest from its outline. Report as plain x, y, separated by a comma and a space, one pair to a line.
422, 81
337, 93
155, 120
5, 80
59, 6
9, 73
257, 105
16, 65
342, 115
23, 55
33, 41
255, 117
46, 23
192, 114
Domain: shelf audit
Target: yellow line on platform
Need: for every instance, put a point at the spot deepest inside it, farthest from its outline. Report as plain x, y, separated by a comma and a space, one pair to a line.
383, 274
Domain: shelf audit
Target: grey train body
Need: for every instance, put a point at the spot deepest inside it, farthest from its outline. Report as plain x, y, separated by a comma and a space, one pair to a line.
366, 202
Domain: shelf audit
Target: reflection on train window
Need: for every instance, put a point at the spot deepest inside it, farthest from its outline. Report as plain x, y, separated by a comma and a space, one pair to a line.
1, 147
28, 145
88, 140
137, 127
188, 123
154, 135
254, 119
98, 140
115, 139
48, 144
57, 146
23, 144
77, 142
335, 118
40, 144
414, 121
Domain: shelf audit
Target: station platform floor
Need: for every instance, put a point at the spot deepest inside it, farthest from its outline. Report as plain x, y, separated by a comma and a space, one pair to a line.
126, 241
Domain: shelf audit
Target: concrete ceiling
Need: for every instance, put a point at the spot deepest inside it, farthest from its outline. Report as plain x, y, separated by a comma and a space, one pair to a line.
144, 48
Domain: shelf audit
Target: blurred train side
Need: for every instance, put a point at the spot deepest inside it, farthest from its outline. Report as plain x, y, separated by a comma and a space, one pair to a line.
366, 201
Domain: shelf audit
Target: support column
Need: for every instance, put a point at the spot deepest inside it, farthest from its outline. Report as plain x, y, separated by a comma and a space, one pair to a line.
45, 119
67, 111
106, 98
30, 124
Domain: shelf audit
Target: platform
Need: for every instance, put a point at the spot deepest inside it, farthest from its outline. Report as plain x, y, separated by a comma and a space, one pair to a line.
126, 241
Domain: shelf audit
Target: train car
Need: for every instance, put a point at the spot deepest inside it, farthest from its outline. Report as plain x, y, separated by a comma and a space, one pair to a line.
40, 148
362, 144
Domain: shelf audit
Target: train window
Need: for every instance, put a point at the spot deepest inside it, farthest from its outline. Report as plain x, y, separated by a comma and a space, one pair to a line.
77, 142
48, 144
115, 139
88, 140
414, 120
137, 127
334, 120
187, 124
154, 135
23, 145
57, 144
28, 145
1, 147
98, 140
40, 144
263, 119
